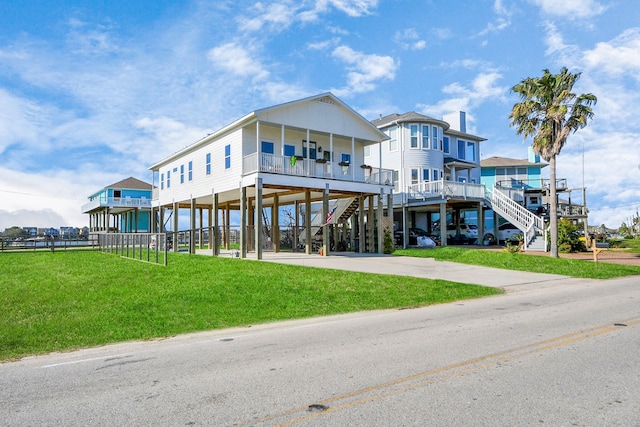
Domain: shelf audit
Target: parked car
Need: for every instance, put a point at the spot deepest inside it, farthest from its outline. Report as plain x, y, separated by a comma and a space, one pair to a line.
507, 233
414, 233
466, 234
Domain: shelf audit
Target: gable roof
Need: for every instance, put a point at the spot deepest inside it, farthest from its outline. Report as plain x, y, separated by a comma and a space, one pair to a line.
131, 183
265, 113
496, 161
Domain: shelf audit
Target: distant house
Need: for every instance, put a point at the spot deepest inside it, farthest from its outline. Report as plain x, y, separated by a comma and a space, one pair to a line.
121, 207
522, 176
521, 180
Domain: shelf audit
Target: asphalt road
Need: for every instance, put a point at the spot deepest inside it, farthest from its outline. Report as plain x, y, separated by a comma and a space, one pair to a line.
559, 355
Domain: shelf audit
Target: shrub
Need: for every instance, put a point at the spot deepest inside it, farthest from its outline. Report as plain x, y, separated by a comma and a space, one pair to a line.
389, 247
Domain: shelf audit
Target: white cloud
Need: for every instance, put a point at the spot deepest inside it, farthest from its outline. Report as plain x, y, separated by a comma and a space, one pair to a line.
238, 60
484, 87
364, 70
409, 39
353, 8
278, 16
620, 56
570, 9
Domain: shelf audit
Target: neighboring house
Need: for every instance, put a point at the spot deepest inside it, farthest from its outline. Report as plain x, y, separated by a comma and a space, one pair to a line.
436, 166
123, 207
293, 154
522, 181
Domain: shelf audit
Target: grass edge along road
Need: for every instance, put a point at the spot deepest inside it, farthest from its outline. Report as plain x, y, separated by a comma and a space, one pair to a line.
522, 262
74, 299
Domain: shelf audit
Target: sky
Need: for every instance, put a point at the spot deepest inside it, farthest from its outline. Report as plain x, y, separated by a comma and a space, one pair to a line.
95, 91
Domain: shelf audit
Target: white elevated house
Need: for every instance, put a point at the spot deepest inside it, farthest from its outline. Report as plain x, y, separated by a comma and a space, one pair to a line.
437, 178
297, 153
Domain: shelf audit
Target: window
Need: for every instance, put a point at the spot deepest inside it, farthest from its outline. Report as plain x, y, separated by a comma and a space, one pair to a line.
346, 158
445, 144
434, 138
267, 147
461, 149
396, 180
162, 181
471, 151
425, 136
190, 171
181, 174
425, 174
511, 177
414, 136
289, 150
227, 156
393, 139
436, 175
117, 194
208, 164
414, 176
312, 149
168, 179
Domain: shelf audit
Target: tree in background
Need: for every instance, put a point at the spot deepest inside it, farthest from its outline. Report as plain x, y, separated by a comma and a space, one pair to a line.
548, 112
14, 233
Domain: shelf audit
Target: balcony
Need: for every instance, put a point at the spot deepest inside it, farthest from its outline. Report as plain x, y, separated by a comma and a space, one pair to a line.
444, 189
296, 166
116, 202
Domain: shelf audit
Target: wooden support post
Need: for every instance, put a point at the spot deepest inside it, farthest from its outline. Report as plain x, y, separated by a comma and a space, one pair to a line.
307, 221
214, 227
380, 221
243, 222
192, 226
275, 224
362, 238
258, 220
325, 228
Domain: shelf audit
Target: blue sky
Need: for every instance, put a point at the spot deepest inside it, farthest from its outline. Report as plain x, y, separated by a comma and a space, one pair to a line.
92, 92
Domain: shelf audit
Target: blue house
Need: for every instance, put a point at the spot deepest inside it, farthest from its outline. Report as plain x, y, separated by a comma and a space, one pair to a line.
123, 207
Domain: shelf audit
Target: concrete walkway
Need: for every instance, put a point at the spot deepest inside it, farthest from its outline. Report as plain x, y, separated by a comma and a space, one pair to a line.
428, 268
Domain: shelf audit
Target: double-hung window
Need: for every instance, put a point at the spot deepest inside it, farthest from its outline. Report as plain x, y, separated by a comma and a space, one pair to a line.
414, 176
168, 179
445, 144
425, 174
434, 138
190, 171
208, 164
471, 151
413, 131
227, 156
181, 174
162, 181
425, 137
393, 139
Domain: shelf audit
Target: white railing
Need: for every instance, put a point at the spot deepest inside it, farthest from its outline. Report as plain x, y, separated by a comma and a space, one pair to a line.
287, 165
529, 223
115, 202
444, 189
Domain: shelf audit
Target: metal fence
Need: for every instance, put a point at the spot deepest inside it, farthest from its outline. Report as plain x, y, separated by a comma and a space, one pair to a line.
147, 247
43, 243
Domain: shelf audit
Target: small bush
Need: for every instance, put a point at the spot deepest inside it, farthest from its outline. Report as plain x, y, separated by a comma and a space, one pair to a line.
389, 247
512, 248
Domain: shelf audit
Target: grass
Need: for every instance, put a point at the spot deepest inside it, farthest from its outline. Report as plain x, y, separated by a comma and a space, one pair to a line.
522, 262
72, 299
632, 245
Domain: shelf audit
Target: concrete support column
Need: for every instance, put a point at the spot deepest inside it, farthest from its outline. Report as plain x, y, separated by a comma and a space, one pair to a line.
325, 229
443, 224
258, 223
243, 222
307, 221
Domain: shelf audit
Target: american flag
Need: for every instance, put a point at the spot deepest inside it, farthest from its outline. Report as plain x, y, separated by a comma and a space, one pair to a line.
330, 215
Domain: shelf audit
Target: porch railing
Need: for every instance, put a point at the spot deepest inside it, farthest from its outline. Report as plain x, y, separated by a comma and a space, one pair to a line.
117, 202
444, 189
288, 165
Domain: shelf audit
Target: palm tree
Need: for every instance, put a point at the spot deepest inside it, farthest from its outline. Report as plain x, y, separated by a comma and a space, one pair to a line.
548, 112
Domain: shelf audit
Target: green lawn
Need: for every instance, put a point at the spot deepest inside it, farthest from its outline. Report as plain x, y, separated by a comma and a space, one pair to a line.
522, 262
71, 299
